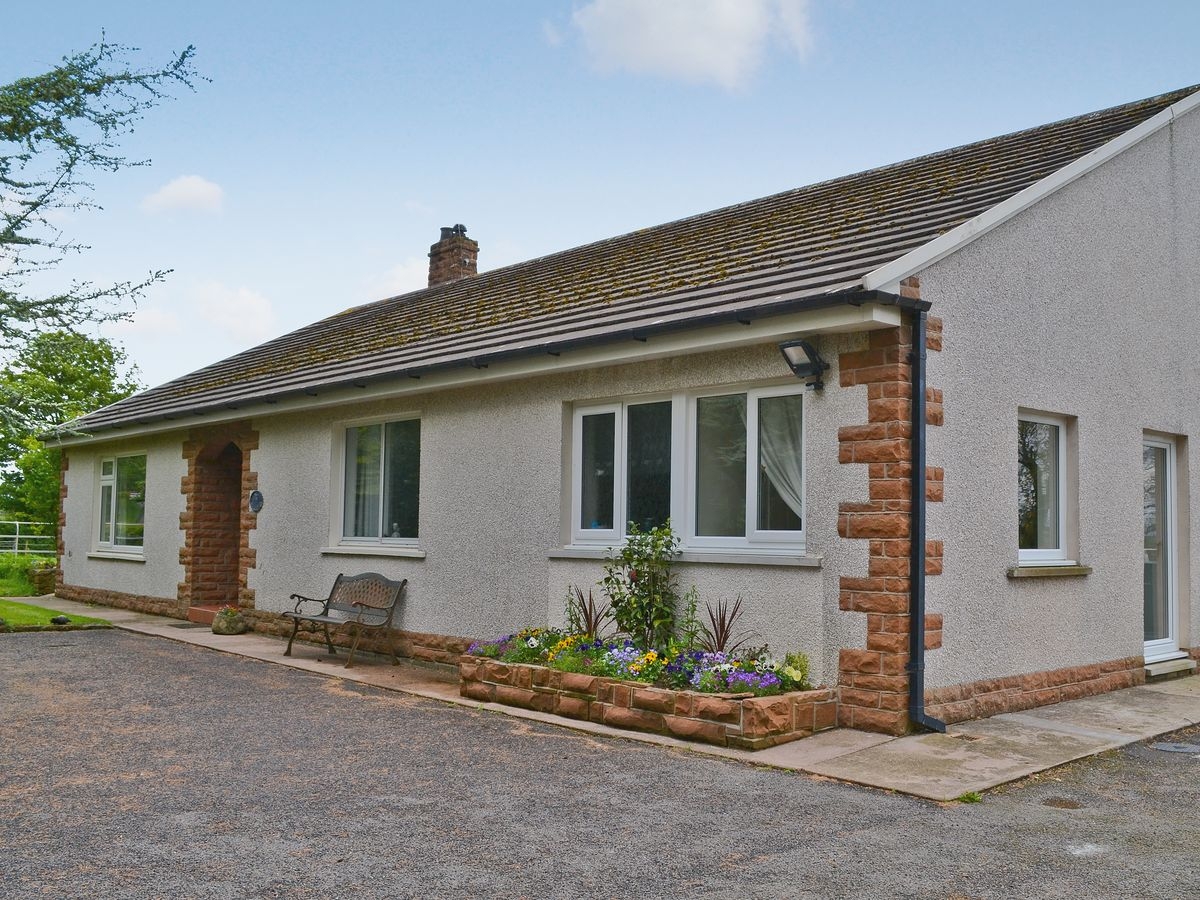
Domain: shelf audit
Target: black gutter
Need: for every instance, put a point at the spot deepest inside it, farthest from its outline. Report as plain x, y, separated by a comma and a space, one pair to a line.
639, 332
916, 602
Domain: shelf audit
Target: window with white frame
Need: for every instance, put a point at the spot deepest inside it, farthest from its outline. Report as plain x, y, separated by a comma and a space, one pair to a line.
122, 503
382, 482
725, 468
1041, 494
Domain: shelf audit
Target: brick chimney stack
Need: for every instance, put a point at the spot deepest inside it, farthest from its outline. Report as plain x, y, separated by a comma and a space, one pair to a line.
454, 256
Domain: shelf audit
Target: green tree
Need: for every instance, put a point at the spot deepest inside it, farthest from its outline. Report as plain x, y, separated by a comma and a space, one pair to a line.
57, 130
29, 492
56, 376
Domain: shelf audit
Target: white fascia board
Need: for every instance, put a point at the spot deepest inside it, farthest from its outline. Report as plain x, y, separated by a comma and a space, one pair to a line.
830, 320
888, 276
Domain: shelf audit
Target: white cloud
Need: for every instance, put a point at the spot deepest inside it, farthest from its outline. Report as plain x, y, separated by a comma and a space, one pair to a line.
410, 275
148, 321
189, 193
793, 22
243, 316
551, 34
721, 41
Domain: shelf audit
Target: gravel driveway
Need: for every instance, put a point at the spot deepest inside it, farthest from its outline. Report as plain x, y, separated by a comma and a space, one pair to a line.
139, 767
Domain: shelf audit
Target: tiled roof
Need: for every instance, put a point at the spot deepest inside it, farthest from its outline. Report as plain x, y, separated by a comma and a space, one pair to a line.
785, 250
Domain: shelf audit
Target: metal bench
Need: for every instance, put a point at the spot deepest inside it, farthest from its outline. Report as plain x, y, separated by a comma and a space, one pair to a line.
360, 601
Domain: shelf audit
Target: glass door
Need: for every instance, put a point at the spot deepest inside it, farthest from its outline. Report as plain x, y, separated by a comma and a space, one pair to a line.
1158, 484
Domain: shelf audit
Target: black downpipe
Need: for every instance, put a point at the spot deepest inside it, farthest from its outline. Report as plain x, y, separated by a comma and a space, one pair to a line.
916, 603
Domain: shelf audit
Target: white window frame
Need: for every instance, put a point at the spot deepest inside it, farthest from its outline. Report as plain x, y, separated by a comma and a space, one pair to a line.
338, 523
754, 538
606, 536
102, 481
1056, 556
683, 472
1168, 647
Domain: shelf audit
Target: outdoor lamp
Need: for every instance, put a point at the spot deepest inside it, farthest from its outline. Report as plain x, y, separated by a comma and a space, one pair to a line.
805, 362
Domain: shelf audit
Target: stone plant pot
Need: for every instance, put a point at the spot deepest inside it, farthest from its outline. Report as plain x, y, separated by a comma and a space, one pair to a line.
229, 625
42, 579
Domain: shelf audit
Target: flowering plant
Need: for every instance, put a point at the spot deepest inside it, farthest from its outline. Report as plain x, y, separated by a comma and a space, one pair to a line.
530, 645
682, 668
229, 610
632, 662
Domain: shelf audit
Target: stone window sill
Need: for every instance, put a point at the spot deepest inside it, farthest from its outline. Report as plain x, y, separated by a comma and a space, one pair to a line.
123, 557
701, 557
1074, 571
348, 550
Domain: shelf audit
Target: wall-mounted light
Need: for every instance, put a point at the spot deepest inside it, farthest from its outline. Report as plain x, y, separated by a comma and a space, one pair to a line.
805, 362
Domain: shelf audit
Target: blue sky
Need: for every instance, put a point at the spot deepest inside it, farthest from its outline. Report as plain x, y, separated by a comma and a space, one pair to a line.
314, 170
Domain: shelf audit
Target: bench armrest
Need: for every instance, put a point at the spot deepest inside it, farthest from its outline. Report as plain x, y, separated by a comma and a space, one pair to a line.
301, 600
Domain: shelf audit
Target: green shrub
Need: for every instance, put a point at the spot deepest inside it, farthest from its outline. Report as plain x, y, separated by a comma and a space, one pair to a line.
19, 563
642, 589
14, 573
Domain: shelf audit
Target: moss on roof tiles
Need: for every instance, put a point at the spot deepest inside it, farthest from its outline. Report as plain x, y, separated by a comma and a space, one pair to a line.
825, 234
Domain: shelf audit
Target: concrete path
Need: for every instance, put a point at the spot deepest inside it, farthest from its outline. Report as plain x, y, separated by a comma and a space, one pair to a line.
971, 757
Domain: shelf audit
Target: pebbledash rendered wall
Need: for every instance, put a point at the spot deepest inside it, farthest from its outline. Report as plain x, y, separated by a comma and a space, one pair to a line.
1086, 305
157, 572
494, 479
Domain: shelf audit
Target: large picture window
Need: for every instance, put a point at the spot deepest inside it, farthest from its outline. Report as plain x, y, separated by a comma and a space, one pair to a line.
1041, 474
122, 503
726, 469
749, 472
382, 481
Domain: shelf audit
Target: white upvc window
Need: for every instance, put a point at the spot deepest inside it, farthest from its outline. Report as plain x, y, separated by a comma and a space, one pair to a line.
746, 468
726, 468
381, 482
122, 503
622, 469
1041, 489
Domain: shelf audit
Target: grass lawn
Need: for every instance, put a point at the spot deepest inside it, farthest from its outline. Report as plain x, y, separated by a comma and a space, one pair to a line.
14, 575
15, 584
19, 615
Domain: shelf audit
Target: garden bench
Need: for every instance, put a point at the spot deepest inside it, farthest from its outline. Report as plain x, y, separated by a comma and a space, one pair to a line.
360, 601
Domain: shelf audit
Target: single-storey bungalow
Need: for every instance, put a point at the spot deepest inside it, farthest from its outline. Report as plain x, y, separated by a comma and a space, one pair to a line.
933, 422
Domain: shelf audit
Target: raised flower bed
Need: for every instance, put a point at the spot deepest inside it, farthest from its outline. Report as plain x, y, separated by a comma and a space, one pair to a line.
727, 720
663, 672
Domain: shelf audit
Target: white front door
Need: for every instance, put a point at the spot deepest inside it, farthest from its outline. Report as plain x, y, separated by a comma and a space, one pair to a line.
1158, 518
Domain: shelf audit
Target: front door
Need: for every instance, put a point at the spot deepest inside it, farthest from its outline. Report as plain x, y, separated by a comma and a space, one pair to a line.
1158, 517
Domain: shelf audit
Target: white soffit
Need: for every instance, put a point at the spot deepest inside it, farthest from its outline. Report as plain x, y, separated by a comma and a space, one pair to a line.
829, 320
888, 276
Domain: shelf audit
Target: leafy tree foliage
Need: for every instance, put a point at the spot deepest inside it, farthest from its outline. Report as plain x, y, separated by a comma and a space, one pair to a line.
56, 131
30, 491
57, 376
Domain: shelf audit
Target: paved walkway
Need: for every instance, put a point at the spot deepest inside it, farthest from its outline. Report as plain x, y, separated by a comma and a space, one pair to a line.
973, 756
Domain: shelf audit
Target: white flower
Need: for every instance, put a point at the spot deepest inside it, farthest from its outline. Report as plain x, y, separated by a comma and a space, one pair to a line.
531, 642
